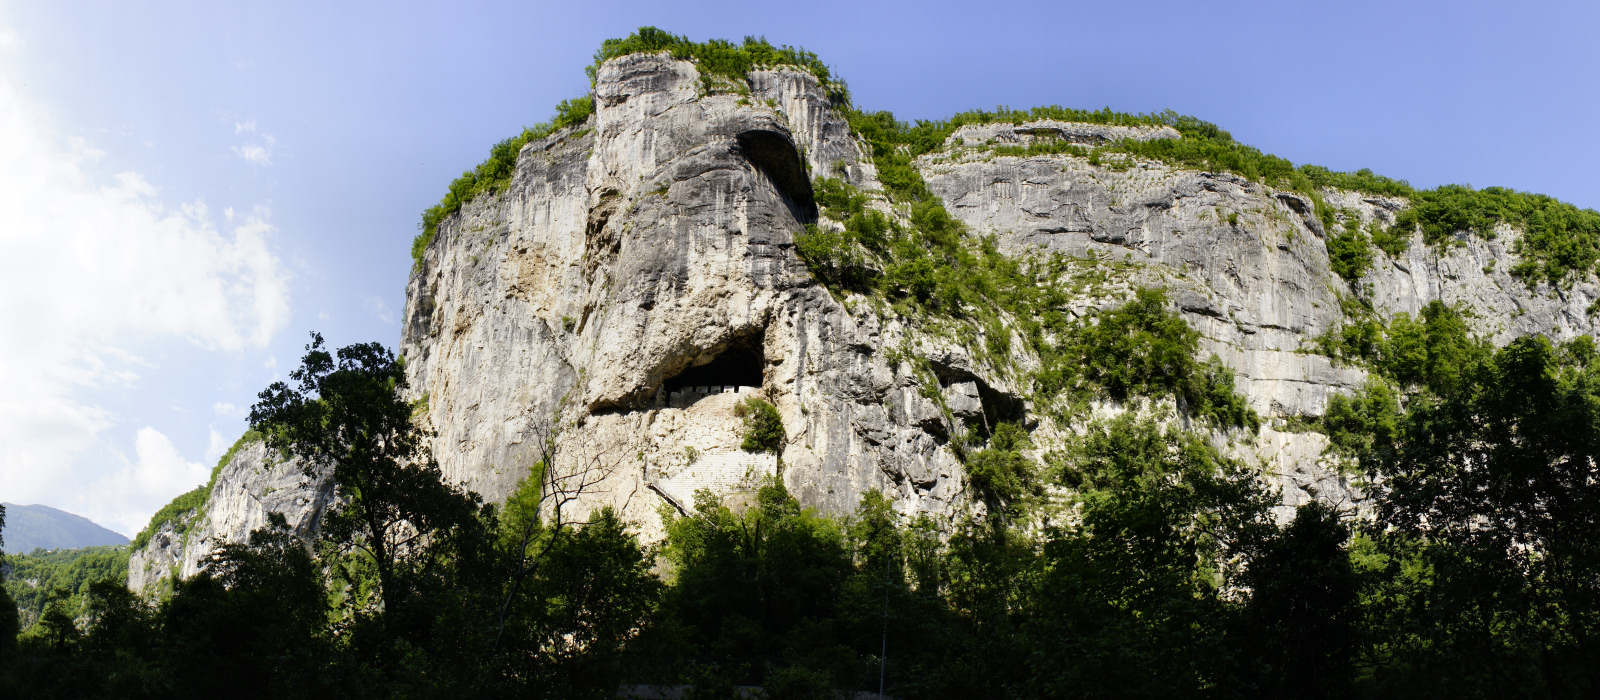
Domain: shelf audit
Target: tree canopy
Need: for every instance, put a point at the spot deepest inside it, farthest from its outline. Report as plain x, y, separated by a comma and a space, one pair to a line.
1141, 562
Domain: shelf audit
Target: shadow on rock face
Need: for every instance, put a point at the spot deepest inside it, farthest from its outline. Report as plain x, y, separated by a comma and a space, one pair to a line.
775, 155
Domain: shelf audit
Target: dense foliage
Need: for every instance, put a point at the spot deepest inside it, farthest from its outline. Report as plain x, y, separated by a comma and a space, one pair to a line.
1431, 349
717, 57
1143, 349
1349, 248
1139, 562
59, 579
1560, 242
763, 427
1485, 547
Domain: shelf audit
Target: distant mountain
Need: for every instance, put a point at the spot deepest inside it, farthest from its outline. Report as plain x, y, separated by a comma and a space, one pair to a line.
32, 527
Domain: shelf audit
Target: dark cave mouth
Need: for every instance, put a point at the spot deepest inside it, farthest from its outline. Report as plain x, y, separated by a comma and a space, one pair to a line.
741, 364
775, 154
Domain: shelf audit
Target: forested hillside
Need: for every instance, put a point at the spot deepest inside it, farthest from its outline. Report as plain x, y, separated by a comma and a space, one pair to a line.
1475, 578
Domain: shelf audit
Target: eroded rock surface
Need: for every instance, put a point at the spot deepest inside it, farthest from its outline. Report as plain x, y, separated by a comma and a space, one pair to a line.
657, 242
1247, 266
254, 483
650, 250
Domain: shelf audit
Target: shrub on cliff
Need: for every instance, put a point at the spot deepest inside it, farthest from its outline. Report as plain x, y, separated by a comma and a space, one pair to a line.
763, 427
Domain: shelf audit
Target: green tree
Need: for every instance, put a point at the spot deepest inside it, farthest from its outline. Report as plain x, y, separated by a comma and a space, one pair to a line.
893, 619
763, 427
392, 511
756, 591
1493, 487
1131, 595
122, 640
1432, 350
1363, 423
8, 607
1002, 474
589, 597
1302, 609
253, 623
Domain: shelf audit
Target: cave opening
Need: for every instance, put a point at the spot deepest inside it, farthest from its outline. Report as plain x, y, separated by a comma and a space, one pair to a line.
994, 406
738, 365
775, 154
999, 407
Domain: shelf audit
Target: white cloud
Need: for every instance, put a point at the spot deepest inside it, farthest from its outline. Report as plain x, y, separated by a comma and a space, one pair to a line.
380, 309
156, 473
215, 444
258, 152
95, 266
223, 408
254, 153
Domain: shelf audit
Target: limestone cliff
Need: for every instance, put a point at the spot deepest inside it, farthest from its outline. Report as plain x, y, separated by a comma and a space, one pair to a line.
250, 484
639, 277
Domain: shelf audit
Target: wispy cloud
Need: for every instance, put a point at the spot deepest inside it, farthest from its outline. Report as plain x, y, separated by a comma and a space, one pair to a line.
257, 149
254, 153
96, 266
9, 41
216, 444
380, 309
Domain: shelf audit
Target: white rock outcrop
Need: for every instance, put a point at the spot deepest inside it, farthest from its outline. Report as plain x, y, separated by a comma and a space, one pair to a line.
649, 251
254, 483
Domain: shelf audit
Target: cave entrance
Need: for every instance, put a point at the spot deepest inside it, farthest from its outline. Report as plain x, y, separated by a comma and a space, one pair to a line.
993, 407
738, 366
774, 153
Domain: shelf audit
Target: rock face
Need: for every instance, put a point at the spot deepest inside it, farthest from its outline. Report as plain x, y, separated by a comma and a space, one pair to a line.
1247, 265
251, 485
648, 254
651, 251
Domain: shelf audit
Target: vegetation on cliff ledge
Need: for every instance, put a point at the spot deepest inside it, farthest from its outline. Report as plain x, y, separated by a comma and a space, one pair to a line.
932, 267
494, 175
763, 427
720, 58
1560, 242
179, 510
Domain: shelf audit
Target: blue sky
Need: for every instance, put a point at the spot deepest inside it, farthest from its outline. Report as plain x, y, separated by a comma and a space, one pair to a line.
189, 188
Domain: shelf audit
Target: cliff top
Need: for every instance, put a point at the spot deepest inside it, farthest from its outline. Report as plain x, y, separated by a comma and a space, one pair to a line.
1560, 243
